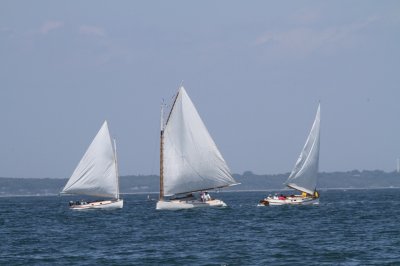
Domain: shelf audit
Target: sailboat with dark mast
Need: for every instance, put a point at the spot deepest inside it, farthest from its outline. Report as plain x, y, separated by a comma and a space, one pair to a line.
190, 162
303, 177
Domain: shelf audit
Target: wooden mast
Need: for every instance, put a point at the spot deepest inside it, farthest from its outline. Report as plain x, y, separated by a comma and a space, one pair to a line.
161, 165
162, 144
162, 154
116, 167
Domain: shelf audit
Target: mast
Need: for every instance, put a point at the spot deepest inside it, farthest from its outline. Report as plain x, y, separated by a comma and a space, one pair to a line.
116, 167
162, 154
162, 145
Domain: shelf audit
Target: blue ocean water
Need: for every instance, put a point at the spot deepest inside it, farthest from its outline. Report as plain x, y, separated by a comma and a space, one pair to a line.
354, 227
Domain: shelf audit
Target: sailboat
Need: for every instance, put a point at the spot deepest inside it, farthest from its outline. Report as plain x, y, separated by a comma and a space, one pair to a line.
96, 175
303, 177
190, 162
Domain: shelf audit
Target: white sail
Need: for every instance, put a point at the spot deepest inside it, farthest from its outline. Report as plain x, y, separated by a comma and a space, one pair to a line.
96, 173
192, 161
304, 175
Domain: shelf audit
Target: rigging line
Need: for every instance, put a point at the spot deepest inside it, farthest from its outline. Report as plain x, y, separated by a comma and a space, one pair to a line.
308, 155
156, 141
211, 188
311, 149
172, 107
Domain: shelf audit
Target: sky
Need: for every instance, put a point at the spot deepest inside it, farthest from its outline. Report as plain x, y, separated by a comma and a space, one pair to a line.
255, 70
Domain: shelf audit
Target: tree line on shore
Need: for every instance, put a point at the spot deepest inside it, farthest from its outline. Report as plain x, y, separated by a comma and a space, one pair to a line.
354, 179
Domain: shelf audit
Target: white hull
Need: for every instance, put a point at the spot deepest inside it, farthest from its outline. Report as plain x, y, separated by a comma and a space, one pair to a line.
289, 201
104, 205
188, 204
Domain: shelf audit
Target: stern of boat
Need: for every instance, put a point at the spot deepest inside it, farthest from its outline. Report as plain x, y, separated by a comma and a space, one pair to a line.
103, 205
173, 205
298, 200
189, 204
216, 203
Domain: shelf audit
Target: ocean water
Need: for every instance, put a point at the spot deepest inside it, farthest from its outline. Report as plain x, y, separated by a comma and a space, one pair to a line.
353, 227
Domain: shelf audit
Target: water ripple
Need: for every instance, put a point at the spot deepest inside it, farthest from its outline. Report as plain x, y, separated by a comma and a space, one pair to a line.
357, 227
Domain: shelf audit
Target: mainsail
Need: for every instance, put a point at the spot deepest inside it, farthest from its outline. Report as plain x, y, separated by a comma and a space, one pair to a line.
96, 173
191, 160
304, 175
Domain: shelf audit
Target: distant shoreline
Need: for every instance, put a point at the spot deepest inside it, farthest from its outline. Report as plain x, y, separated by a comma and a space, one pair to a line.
249, 182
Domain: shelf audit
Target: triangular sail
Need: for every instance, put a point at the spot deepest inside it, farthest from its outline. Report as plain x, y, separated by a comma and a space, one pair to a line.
192, 161
304, 174
96, 173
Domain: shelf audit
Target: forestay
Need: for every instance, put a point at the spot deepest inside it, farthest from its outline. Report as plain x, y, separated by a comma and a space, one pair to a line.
305, 172
96, 173
192, 161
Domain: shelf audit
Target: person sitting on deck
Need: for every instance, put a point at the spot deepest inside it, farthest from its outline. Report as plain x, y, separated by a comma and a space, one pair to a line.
207, 196
281, 197
203, 197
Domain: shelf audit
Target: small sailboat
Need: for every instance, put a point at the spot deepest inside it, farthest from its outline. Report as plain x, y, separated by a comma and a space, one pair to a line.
97, 175
303, 177
190, 162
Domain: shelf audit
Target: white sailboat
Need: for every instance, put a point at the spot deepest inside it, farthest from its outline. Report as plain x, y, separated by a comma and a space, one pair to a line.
190, 162
303, 177
97, 174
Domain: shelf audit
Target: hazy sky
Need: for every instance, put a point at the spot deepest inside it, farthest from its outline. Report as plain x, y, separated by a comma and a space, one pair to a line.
254, 69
